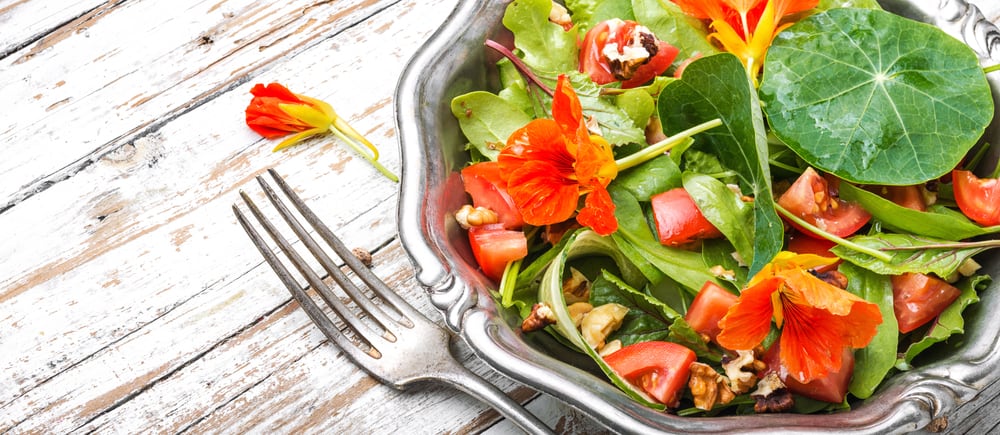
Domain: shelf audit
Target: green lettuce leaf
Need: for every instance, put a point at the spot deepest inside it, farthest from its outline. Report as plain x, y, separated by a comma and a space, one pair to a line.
936, 222
487, 120
545, 46
926, 256
950, 321
873, 363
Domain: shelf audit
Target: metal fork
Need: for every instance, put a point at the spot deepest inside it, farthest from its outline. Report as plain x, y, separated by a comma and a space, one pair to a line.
398, 349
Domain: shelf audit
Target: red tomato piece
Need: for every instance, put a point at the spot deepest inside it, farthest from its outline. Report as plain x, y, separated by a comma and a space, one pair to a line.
801, 243
678, 220
594, 61
831, 388
708, 307
813, 199
918, 298
906, 196
494, 247
660, 368
978, 198
483, 183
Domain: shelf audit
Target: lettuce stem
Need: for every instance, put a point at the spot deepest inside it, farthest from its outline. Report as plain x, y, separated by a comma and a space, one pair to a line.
664, 145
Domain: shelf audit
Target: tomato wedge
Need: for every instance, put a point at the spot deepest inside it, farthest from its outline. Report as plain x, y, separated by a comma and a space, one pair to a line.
830, 388
906, 196
813, 199
708, 307
918, 298
620, 34
483, 183
678, 220
494, 247
978, 198
660, 368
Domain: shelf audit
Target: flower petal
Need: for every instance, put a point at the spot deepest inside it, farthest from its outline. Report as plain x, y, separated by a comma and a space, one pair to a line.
542, 194
748, 322
598, 212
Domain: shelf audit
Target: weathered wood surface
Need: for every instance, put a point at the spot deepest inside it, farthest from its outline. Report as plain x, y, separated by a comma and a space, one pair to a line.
130, 300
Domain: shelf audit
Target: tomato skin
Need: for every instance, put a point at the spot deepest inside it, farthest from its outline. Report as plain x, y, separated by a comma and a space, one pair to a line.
905, 196
978, 198
483, 183
494, 247
708, 307
595, 63
831, 388
814, 199
802, 243
660, 368
919, 298
678, 220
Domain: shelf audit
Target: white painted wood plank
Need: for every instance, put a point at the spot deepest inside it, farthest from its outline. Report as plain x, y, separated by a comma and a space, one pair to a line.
23, 21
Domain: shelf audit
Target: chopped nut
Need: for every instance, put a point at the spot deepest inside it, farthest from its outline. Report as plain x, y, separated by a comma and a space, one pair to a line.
772, 395
469, 216
577, 311
601, 322
610, 348
559, 15
639, 46
708, 387
363, 255
722, 272
832, 277
576, 288
740, 380
540, 317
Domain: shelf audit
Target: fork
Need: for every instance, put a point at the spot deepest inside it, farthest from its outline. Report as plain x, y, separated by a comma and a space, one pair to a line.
399, 348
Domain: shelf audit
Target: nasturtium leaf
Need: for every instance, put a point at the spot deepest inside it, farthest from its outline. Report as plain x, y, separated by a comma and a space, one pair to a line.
487, 120
717, 86
873, 97
545, 46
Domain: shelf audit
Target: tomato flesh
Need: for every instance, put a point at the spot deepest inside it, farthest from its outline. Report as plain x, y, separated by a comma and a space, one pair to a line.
494, 247
814, 199
978, 198
906, 196
678, 220
918, 298
483, 183
831, 388
708, 307
594, 62
660, 368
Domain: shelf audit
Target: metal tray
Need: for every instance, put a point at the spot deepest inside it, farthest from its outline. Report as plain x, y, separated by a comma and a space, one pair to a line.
452, 62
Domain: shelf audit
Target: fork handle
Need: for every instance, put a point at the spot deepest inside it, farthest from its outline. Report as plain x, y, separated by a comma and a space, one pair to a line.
465, 380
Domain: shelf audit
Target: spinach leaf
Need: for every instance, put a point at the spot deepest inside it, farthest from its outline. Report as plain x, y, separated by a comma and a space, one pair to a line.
724, 209
873, 97
657, 175
950, 321
717, 86
487, 120
905, 220
616, 125
873, 363
669, 23
546, 47
924, 257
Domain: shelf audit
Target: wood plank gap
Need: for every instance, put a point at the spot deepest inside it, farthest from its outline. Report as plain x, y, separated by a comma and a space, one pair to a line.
42, 35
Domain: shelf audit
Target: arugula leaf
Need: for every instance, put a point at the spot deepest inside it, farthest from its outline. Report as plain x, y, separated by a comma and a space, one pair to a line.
924, 257
487, 120
616, 126
933, 223
873, 362
724, 209
669, 23
546, 47
950, 321
717, 86
873, 97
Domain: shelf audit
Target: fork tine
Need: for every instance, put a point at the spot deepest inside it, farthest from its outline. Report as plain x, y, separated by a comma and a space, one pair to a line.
374, 311
363, 329
378, 286
308, 305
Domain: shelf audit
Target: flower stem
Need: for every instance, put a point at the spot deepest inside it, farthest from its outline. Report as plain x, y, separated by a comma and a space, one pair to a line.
838, 240
366, 153
991, 68
664, 145
519, 64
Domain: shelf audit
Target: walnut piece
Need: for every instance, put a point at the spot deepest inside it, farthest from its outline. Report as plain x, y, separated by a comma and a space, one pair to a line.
610, 348
772, 395
559, 15
742, 371
832, 277
576, 288
469, 216
708, 387
577, 311
540, 317
601, 322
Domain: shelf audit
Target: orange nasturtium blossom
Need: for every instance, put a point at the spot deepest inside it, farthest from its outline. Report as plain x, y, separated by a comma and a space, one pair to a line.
817, 319
549, 163
746, 27
275, 111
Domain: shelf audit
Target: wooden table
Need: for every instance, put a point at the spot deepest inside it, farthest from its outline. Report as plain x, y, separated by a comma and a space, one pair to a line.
130, 300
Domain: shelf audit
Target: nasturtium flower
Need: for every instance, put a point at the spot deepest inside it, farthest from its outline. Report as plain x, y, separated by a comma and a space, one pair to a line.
746, 27
275, 111
817, 320
550, 163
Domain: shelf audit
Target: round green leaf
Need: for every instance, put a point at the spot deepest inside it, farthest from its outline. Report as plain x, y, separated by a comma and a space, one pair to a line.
873, 97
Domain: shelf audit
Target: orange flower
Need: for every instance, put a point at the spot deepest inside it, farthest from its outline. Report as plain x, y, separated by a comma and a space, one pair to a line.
746, 27
275, 111
549, 163
817, 320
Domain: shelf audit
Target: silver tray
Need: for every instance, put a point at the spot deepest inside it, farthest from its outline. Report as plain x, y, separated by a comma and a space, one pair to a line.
454, 61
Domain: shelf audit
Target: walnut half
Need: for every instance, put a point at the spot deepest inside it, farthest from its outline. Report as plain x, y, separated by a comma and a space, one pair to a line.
708, 387
601, 322
540, 317
771, 395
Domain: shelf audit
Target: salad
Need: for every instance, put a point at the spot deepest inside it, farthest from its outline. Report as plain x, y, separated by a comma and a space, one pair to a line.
733, 206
